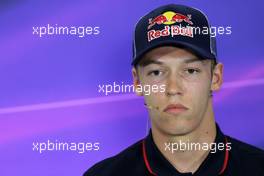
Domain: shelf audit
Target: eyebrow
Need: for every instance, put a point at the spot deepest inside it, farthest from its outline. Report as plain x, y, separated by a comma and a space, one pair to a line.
146, 62
195, 59
150, 61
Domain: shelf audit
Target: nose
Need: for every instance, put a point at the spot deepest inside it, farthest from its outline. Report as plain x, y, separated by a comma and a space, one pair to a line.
174, 85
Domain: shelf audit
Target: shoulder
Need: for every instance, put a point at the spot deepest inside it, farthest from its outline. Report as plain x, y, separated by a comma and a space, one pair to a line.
246, 149
246, 154
118, 163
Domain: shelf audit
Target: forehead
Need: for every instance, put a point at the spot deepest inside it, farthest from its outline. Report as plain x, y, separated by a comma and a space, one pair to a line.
165, 53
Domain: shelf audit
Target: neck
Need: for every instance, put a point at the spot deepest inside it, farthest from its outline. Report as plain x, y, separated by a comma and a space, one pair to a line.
188, 160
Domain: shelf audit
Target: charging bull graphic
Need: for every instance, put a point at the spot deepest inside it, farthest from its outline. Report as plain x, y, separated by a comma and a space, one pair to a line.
170, 17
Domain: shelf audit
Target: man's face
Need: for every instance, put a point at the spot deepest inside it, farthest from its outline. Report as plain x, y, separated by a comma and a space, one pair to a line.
188, 82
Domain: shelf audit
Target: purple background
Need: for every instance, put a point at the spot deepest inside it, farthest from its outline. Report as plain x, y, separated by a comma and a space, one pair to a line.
49, 85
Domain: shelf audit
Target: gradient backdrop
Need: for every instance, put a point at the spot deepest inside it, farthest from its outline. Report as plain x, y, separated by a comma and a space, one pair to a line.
49, 85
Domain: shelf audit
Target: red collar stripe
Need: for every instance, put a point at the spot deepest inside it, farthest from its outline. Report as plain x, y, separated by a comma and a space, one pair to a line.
226, 159
146, 159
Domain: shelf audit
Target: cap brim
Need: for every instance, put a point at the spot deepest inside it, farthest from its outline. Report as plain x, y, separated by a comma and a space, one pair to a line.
201, 53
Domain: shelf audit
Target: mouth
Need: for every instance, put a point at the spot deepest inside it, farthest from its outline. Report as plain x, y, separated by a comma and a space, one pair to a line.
175, 109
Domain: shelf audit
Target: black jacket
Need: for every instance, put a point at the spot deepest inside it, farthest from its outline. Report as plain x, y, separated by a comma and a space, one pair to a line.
144, 159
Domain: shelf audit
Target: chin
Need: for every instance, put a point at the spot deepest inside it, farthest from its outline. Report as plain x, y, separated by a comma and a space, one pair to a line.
179, 126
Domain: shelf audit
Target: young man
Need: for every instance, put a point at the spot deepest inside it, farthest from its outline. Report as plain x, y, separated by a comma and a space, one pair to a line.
184, 138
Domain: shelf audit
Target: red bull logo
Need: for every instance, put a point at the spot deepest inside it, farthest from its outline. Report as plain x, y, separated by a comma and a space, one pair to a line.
170, 17
172, 31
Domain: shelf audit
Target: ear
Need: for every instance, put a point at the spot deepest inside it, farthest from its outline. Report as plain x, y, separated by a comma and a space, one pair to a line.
136, 81
217, 78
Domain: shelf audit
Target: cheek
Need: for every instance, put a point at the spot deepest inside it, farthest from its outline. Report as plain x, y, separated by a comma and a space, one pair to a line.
151, 81
157, 90
155, 98
197, 93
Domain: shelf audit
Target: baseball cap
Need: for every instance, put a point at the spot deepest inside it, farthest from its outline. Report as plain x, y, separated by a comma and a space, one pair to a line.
174, 25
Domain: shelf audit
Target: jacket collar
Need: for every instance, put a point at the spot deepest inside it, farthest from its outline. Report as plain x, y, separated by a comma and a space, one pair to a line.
157, 164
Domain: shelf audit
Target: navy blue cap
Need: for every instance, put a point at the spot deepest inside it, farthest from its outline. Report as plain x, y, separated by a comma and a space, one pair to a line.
174, 25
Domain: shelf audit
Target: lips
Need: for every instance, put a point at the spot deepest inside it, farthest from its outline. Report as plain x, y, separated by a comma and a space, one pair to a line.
175, 109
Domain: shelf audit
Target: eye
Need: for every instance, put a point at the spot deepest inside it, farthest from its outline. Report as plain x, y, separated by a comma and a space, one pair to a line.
155, 73
192, 71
